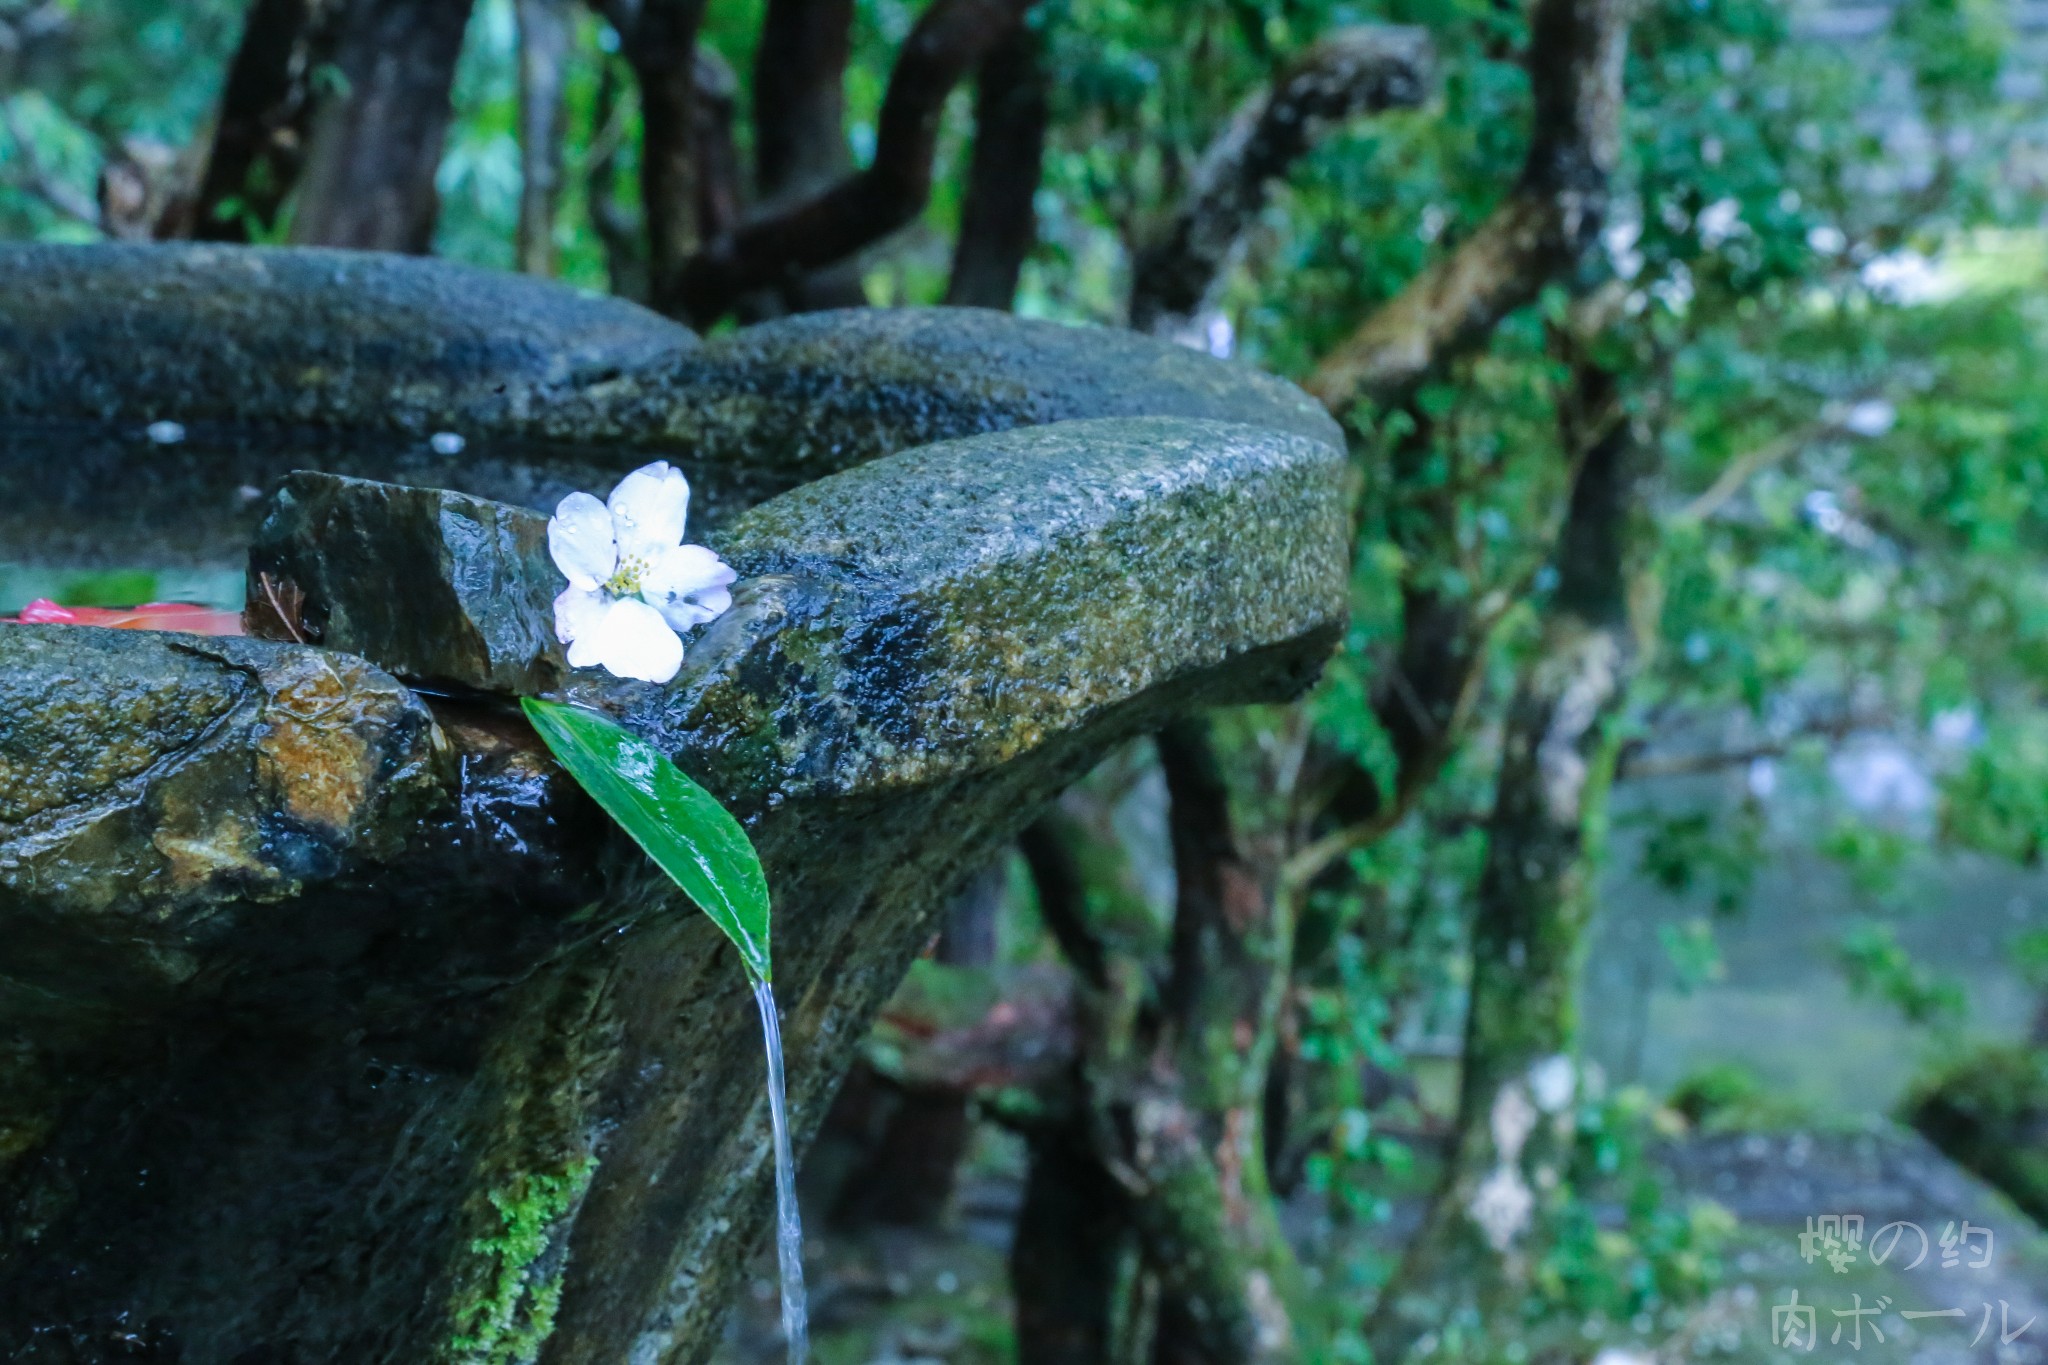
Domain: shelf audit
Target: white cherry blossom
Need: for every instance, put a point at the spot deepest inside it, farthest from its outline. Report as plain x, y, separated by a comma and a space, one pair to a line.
633, 584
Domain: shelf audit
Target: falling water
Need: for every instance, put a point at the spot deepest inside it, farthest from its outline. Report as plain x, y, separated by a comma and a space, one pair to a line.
789, 1228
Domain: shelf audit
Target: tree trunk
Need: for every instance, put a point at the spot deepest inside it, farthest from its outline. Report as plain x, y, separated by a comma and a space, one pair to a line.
378, 130
906, 1167
661, 47
1166, 1095
1485, 1225
1230, 1285
721, 189
625, 254
546, 34
259, 135
1083, 1294
800, 99
827, 227
800, 136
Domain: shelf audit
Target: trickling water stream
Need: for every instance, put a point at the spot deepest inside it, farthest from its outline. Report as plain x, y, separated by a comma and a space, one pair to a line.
789, 1228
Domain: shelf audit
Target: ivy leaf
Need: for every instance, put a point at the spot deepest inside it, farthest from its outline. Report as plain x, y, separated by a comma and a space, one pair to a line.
682, 826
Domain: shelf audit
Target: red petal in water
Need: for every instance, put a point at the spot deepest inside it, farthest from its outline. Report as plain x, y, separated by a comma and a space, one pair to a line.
44, 612
189, 617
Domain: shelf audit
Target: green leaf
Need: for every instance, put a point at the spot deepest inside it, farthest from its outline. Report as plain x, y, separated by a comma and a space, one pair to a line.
682, 826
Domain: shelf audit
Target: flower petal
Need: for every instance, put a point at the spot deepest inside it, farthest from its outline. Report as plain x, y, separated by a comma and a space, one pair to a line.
687, 585
580, 539
632, 641
577, 612
648, 509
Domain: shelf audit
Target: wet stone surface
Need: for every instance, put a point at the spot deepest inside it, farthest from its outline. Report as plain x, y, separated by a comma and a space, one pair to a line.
317, 989
153, 398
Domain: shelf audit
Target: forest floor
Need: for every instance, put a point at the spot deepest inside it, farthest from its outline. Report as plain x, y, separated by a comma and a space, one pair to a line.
894, 1296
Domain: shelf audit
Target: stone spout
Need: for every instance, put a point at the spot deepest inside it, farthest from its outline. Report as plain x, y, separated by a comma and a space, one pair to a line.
336, 1025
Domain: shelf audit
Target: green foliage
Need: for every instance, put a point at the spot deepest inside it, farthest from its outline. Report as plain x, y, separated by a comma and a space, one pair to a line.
680, 825
1637, 1278
1998, 800
1687, 850
1879, 966
1957, 49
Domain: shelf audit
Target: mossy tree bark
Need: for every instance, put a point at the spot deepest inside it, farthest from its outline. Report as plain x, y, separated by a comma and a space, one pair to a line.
1171, 1090
1161, 1107
1483, 1230
546, 36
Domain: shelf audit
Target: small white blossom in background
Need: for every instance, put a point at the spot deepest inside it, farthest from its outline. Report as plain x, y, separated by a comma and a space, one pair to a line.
1623, 1355
1906, 278
1763, 778
1501, 1207
1958, 727
633, 584
446, 442
165, 433
1553, 1082
1871, 417
1827, 239
1719, 221
1620, 240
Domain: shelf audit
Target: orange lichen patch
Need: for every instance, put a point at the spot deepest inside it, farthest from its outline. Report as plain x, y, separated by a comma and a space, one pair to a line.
313, 753
189, 617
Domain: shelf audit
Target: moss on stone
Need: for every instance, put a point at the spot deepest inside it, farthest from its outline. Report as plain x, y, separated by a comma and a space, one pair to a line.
1988, 1110
510, 1321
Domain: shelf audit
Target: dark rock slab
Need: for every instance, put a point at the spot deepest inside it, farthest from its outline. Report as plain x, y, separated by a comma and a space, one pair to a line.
304, 338
421, 372
816, 393
443, 589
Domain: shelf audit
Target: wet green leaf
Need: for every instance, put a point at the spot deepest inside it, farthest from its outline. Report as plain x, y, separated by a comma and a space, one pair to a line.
682, 826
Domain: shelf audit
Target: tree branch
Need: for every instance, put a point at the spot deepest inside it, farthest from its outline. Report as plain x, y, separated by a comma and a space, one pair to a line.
1740, 470
377, 138
721, 194
800, 138
1353, 71
1547, 224
950, 39
1637, 761
614, 223
1063, 898
998, 221
1534, 896
799, 98
1223, 918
